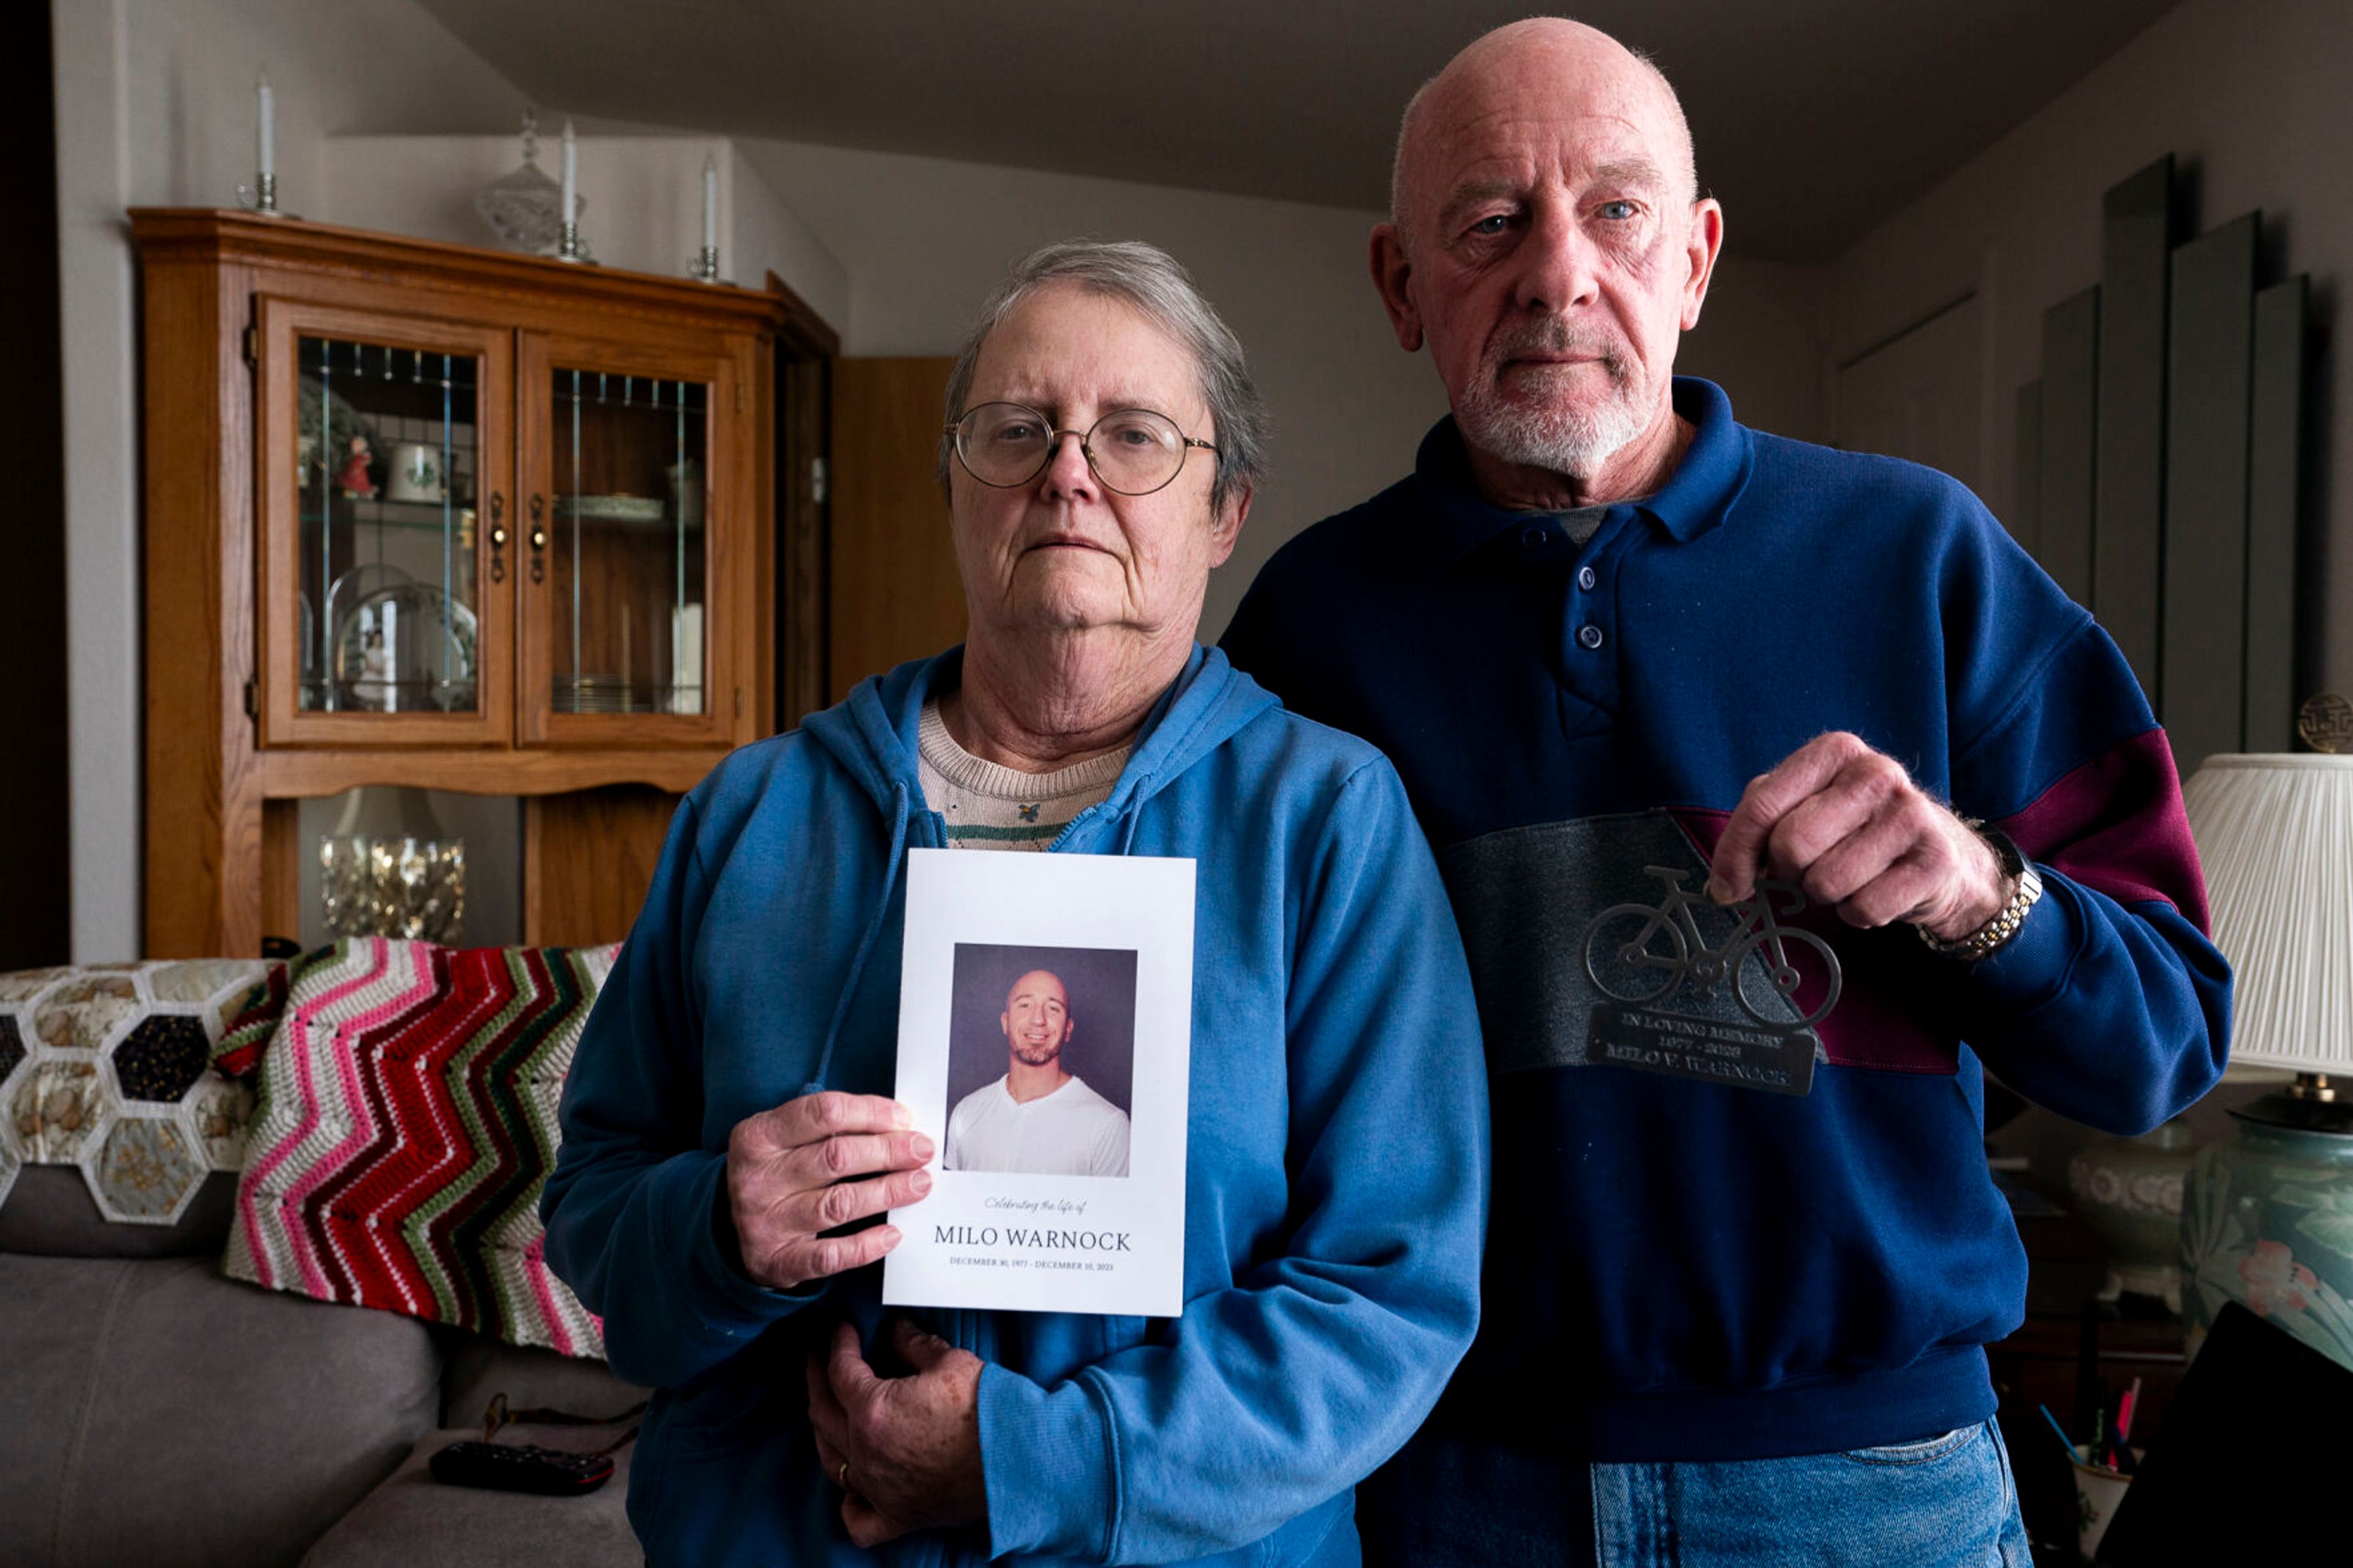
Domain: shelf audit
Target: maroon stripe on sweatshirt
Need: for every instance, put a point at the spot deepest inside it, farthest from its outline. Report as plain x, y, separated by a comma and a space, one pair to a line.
2115, 825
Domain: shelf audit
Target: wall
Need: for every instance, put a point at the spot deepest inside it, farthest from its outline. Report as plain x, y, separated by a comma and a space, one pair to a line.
2250, 96
156, 108
155, 105
925, 238
1762, 337
641, 203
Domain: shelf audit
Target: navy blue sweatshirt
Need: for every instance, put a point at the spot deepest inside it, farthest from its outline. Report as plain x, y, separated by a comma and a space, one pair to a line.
1735, 1219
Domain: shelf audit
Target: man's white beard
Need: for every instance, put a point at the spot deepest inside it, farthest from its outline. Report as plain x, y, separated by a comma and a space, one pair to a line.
1551, 435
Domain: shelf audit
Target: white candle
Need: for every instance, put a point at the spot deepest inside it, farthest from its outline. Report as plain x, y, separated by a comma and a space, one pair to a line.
710, 202
265, 130
571, 175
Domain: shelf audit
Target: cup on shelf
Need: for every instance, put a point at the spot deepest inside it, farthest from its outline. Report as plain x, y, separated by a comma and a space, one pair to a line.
415, 473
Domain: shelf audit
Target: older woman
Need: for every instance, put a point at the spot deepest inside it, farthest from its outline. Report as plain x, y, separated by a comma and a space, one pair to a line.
725, 1119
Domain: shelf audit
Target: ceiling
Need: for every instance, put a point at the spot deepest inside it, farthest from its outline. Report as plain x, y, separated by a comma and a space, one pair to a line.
1815, 119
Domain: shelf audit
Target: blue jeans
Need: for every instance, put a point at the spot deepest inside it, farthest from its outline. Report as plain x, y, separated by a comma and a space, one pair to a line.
1944, 1502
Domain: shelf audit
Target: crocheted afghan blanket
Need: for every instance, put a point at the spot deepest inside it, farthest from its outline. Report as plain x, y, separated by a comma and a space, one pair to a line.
406, 1127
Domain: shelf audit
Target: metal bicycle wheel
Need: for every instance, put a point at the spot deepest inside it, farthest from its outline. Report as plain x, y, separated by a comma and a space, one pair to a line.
1781, 982
1622, 957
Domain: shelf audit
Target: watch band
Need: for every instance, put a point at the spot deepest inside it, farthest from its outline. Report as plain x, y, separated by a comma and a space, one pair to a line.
2026, 890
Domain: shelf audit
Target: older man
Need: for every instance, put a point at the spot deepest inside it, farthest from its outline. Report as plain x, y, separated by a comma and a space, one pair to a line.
1039, 1117
1681, 705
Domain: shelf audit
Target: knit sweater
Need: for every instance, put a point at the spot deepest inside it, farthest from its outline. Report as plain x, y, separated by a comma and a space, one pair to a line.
987, 805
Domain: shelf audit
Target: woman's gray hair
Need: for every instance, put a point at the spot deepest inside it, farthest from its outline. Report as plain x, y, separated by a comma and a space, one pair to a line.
1150, 279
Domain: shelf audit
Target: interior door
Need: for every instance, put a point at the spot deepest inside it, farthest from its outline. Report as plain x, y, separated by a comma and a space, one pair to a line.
893, 593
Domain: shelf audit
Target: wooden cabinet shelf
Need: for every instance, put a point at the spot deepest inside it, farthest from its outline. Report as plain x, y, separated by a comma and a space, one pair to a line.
429, 515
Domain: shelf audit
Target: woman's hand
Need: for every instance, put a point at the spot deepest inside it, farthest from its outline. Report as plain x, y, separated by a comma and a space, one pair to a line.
789, 1178
905, 1450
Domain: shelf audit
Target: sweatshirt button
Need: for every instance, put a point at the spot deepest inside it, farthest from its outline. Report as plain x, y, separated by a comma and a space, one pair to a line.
1589, 634
1533, 538
1586, 579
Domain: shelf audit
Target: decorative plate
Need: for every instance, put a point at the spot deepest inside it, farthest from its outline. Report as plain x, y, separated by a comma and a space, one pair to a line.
612, 509
406, 647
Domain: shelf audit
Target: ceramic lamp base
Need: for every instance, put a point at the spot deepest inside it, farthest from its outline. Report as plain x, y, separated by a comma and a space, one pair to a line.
2267, 1221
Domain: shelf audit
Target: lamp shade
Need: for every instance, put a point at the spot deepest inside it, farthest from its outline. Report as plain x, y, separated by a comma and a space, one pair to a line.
2276, 833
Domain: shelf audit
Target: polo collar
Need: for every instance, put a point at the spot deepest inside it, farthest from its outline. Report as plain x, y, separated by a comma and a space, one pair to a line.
1713, 472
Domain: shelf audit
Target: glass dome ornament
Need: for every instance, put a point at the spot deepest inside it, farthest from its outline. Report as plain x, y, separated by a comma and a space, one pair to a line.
525, 207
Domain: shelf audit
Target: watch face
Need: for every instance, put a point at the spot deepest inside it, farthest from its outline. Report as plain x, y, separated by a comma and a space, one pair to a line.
2013, 864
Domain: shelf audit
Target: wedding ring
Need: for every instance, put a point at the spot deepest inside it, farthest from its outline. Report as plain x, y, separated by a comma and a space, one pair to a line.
841, 1476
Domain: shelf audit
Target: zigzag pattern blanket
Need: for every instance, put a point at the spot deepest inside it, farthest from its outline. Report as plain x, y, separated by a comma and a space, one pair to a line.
406, 1125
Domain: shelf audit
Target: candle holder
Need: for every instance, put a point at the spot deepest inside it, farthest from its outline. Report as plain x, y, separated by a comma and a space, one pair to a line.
260, 198
570, 246
704, 267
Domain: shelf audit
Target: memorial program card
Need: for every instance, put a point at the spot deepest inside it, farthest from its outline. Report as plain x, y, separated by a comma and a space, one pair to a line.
1045, 1038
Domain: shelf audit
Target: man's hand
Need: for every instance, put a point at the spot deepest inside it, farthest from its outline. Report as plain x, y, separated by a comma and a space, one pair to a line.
911, 1446
788, 1178
1848, 826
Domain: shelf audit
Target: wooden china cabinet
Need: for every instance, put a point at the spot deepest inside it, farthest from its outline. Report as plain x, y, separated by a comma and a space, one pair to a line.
421, 515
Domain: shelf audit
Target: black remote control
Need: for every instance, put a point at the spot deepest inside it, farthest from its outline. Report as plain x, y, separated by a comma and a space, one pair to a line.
521, 1468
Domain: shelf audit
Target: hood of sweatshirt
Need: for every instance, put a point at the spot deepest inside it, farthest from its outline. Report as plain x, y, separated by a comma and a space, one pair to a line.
872, 735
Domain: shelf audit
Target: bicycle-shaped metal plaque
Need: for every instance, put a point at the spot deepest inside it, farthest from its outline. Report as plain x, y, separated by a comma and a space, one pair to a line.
1639, 952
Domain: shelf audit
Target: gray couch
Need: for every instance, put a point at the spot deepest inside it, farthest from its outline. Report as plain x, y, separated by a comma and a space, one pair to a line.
154, 1412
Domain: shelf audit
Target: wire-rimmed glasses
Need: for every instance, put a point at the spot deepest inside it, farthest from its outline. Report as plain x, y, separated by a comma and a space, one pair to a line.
1132, 451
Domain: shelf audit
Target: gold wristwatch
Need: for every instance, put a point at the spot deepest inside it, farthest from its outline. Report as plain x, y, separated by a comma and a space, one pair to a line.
1988, 938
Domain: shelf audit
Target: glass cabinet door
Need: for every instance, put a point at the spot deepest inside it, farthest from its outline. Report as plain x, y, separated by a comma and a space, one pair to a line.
621, 544
384, 548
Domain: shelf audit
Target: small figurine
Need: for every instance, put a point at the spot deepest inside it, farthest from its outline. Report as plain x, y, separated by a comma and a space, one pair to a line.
353, 480
377, 683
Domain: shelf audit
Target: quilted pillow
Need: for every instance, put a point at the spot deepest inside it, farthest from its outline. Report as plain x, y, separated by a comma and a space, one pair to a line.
406, 1126
107, 1068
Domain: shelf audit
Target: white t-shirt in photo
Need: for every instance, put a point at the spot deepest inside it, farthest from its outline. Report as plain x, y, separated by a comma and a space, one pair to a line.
1073, 1132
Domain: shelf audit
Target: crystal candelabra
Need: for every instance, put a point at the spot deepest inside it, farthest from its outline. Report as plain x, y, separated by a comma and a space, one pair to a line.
388, 869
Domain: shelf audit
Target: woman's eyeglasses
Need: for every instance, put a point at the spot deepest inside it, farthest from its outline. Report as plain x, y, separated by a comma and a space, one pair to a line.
1132, 451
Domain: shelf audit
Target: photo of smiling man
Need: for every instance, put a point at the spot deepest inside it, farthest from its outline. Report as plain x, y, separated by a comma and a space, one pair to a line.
1039, 1118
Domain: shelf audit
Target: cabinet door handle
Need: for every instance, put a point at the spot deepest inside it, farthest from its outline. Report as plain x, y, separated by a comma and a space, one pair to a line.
538, 539
497, 537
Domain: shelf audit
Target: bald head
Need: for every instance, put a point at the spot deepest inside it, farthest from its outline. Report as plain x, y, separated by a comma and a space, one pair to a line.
1531, 66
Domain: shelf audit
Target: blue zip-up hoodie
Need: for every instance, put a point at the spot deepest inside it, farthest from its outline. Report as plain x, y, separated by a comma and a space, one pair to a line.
1335, 1189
